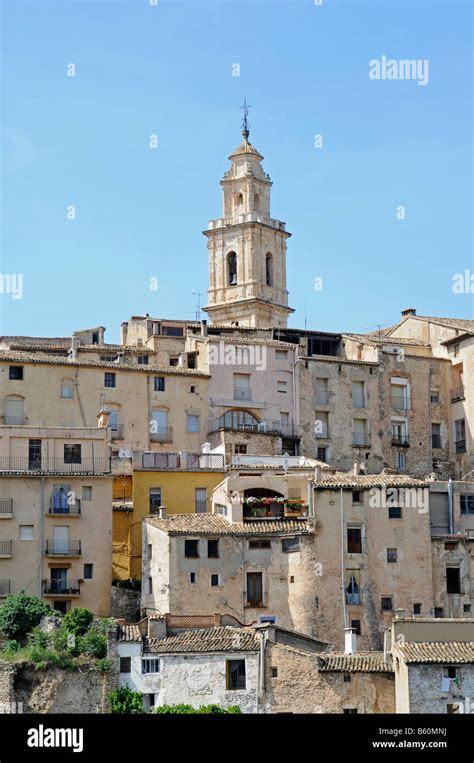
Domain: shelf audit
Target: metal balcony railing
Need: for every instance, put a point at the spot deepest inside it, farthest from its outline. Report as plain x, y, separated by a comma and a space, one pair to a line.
242, 393
59, 504
63, 547
6, 547
67, 587
322, 397
460, 446
54, 465
321, 431
361, 439
117, 433
4, 587
14, 421
6, 506
162, 434
353, 598
436, 441
180, 461
457, 394
400, 402
200, 506
399, 438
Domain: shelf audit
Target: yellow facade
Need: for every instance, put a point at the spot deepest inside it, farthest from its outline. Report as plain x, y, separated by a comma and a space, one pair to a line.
178, 495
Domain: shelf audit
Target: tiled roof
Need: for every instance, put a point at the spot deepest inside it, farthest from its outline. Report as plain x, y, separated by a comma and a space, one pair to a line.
437, 652
382, 339
219, 639
245, 148
455, 323
362, 662
191, 621
212, 524
31, 357
347, 480
128, 632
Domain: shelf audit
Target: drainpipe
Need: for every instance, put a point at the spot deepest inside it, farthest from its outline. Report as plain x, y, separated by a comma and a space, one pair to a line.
430, 429
295, 400
261, 667
310, 498
41, 534
450, 506
344, 609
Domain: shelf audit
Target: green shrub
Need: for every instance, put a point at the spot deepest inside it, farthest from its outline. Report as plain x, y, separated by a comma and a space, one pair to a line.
203, 709
20, 613
93, 644
11, 646
78, 620
38, 638
104, 665
124, 700
44, 658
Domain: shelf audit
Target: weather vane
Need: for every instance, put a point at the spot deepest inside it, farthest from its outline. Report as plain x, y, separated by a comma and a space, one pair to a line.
245, 122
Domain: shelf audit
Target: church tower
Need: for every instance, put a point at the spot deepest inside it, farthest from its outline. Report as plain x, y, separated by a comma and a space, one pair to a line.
247, 247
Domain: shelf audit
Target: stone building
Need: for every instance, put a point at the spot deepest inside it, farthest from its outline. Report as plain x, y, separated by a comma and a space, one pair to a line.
56, 515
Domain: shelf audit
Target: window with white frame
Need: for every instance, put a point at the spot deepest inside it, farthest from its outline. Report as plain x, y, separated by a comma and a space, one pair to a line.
150, 665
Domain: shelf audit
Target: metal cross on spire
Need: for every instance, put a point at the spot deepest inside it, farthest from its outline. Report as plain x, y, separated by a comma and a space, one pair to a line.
245, 122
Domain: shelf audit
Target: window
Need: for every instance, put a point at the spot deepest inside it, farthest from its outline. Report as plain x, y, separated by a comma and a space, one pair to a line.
108, 358
114, 420
355, 624
95, 337
400, 396
321, 453
354, 540
191, 549
159, 383
450, 546
281, 386
150, 665
192, 389
347, 678
455, 350
155, 499
192, 577
359, 432
26, 532
242, 388
290, 544
436, 435
281, 354
391, 555
86, 493
358, 394
200, 500
401, 460
467, 504
191, 359
192, 423
357, 496
460, 435
292, 578
260, 544
254, 589
213, 549
241, 420
125, 664
269, 269
394, 512
450, 671
232, 269
149, 551
466, 608
322, 394
268, 619
240, 448
435, 396
34, 454
274, 672
387, 603
352, 583
236, 674
438, 611
174, 360
67, 389
149, 585
109, 379
350, 711
172, 331
453, 580
142, 360
14, 411
214, 580
417, 609
88, 571
15, 373
72, 454
321, 424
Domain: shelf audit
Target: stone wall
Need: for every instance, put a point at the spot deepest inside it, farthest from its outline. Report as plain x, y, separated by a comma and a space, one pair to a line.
125, 603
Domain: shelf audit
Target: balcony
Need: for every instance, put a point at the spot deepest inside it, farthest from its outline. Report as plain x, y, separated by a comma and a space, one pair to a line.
399, 439
322, 431
179, 461
162, 434
6, 547
117, 433
358, 400
66, 587
273, 508
63, 548
54, 465
258, 427
460, 446
242, 393
14, 421
353, 598
59, 506
4, 587
436, 441
6, 508
457, 394
360, 440
400, 402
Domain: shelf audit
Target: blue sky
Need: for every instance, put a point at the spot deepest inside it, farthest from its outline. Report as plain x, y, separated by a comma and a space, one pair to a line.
167, 70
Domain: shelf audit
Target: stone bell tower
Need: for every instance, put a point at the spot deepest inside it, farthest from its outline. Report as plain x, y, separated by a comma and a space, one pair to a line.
247, 247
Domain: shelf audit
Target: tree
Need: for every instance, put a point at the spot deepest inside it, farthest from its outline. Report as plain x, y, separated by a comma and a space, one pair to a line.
124, 700
20, 614
78, 621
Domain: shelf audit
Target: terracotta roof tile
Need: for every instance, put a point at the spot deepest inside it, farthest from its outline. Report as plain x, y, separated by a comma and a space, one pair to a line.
219, 639
128, 632
211, 524
348, 480
362, 662
437, 652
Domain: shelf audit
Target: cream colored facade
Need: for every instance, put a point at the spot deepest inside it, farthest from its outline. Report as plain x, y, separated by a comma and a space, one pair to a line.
56, 515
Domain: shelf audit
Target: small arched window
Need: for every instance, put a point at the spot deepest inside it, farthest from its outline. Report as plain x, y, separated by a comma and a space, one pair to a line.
67, 389
232, 268
256, 201
239, 202
269, 269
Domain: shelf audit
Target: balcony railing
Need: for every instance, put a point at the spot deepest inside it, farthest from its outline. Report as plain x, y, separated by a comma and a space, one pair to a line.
399, 439
6, 506
162, 434
201, 506
352, 598
269, 427
321, 431
58, 504
182, 461
6, 547
63, 547
436, 441
14, 421
117, 433
54, 465
322, 397
457, 394
277, 509
4, 587
460, 446
360, 439
400, 402
66, 587
242, 393
358, 400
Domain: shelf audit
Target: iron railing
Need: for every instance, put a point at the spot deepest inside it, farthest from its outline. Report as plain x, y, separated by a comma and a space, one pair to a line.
460, 446
361, 439
6, 506
117, 433
63, 547
242, 393
161, 434
358, 400
457, 394
4, 587
54, 465
6, 547
180, 461
67, 587
14, 421
400, 402
436, 441
353, 598
322, 397
59, 504
399, 438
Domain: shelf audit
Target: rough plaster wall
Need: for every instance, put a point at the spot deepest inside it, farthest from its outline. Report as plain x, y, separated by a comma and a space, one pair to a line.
301, 688
125, 603
426, 695
462, 556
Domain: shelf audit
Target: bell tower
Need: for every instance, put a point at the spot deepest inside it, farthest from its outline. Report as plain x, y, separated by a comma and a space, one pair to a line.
247, 247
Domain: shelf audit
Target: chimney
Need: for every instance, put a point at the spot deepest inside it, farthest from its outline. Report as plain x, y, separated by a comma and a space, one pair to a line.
157, 626
317, 473
350, 641
124, 332
386, 637
103, 417
75, 342
310, 498
355, 468
203, 328
162, 512
408, 311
